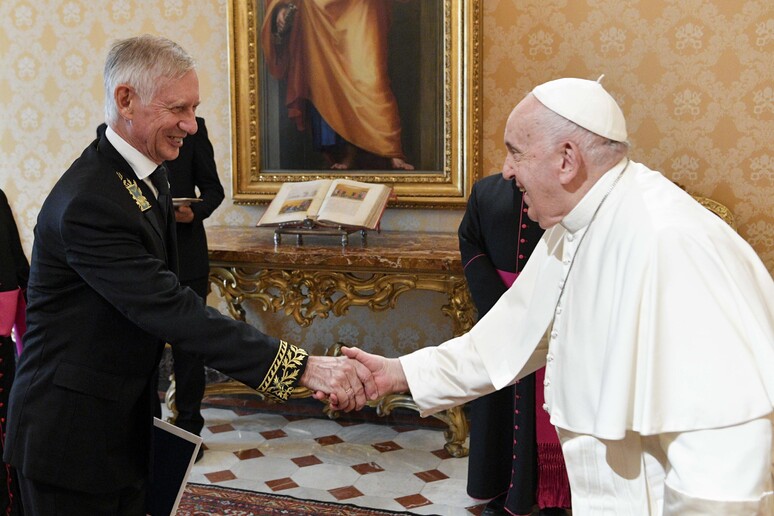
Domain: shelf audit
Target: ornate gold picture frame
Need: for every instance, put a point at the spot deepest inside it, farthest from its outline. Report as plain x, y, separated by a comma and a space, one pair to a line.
441, 113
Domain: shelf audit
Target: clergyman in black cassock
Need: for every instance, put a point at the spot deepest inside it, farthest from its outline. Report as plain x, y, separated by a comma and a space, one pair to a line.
506, 461
14, 273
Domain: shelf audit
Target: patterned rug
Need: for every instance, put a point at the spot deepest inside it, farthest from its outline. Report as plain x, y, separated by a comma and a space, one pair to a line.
209, 500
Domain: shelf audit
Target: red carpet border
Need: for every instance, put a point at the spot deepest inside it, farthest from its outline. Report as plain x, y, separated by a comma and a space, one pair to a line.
211, 500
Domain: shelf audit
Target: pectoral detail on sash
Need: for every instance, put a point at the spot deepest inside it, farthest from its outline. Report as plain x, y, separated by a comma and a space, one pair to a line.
284, 372
135, 192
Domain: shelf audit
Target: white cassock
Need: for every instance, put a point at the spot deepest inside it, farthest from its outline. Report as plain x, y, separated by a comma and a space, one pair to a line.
666, 322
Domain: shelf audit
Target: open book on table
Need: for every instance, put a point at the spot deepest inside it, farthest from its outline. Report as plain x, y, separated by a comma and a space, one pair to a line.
328, 202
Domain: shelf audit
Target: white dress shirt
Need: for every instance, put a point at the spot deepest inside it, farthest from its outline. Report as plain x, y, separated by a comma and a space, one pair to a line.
141, 165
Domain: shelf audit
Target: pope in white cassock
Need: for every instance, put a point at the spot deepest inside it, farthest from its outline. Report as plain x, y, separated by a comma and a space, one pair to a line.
654, 319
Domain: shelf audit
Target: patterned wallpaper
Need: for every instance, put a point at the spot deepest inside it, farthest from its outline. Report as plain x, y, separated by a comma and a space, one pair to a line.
693, 76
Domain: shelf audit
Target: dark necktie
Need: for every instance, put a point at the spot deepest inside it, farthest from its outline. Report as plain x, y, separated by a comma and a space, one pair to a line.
161, 182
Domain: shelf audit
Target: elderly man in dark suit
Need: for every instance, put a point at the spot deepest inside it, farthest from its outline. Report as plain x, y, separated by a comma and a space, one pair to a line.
193, 169
104, 298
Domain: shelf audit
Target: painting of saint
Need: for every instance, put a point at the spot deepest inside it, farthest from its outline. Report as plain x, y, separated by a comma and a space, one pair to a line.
352, 84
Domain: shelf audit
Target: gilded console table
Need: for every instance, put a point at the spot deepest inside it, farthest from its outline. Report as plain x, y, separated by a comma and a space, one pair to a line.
322, 277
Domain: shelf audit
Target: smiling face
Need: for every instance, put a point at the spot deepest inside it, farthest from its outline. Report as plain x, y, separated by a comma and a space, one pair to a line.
158, 128
535, 163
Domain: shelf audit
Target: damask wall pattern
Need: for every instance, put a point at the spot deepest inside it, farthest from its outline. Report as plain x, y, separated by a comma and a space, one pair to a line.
694, 78
51, 101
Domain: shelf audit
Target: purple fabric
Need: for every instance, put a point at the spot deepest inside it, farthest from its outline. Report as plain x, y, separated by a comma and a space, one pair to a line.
12, 310
553, 484
508, 277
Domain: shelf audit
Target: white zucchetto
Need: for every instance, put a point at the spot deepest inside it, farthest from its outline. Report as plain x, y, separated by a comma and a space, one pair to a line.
586, 103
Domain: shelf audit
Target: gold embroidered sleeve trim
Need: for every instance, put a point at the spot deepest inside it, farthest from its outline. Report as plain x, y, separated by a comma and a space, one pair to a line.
284, 373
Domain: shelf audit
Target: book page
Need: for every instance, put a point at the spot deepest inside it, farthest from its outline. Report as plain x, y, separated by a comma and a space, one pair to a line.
296, 201
352, 203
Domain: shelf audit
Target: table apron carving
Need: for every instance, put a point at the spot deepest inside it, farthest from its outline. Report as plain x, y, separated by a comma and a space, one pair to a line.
314, 281
306, 294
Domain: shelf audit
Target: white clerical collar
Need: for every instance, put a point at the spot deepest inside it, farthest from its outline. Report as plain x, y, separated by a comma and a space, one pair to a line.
141, 165
581, 215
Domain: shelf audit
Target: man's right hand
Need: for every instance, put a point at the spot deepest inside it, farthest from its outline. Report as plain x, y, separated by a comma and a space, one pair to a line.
346, 383
387, 372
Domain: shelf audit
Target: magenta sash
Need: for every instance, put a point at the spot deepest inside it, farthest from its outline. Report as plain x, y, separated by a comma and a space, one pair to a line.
508, 277
553, 485
12, 310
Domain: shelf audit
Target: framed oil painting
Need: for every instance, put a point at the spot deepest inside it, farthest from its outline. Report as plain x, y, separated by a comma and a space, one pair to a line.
384, 91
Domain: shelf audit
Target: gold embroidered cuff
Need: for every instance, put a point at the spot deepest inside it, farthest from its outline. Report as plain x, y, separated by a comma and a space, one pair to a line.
284, 373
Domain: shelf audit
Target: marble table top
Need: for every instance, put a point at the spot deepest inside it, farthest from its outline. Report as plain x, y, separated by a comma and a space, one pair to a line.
396, 250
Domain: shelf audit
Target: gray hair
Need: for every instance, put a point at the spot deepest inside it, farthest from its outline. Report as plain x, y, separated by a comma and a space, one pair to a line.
598, 150
140, 62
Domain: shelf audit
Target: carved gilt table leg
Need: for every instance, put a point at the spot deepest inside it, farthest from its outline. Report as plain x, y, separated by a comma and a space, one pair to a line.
378, 292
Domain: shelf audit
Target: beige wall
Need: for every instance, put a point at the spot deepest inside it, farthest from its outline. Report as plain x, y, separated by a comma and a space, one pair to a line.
693, 76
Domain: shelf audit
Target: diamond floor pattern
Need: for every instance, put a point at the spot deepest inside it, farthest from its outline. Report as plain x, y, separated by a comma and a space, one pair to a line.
399, 468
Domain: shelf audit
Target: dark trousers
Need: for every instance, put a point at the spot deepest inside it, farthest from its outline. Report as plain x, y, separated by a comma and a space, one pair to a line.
502, 463
189, 377
42, 499
491, 443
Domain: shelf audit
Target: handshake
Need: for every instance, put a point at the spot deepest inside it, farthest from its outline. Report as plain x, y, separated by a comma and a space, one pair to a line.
349, 381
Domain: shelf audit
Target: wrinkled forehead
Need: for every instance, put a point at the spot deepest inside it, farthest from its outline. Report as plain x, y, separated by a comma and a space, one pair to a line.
179, 90
522, 123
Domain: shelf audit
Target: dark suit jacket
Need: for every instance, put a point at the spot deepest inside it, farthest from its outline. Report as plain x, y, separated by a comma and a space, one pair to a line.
195, 168
102, 303
14, 267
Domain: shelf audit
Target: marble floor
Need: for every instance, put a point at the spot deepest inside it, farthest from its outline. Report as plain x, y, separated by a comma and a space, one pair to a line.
398, 466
